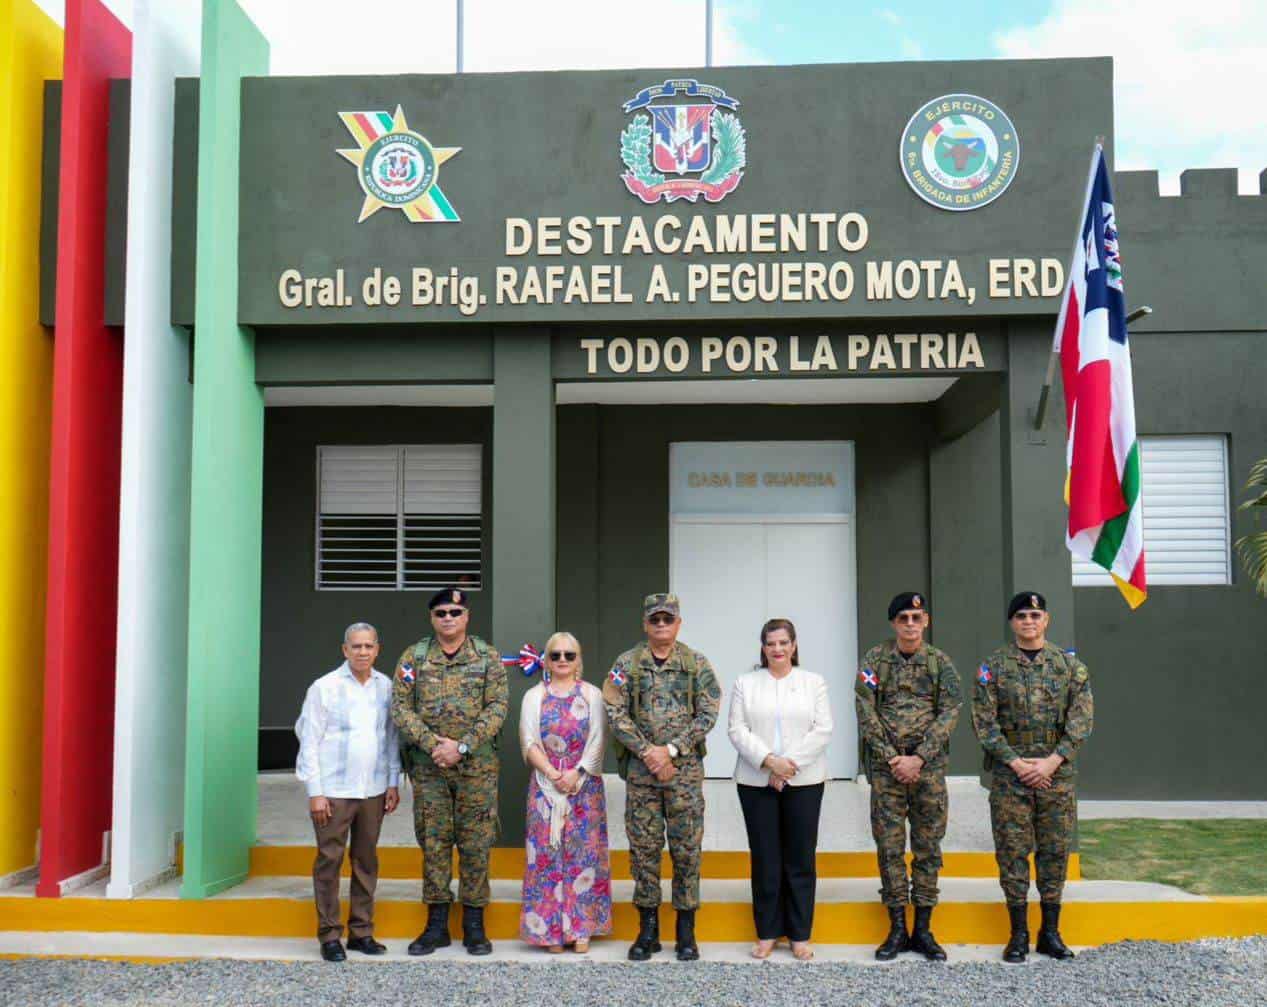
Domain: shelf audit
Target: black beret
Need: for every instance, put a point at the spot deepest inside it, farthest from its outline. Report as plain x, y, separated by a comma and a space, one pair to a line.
449, 596
907, 600
1026, 599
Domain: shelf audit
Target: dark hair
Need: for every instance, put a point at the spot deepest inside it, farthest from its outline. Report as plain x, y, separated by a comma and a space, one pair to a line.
770, 626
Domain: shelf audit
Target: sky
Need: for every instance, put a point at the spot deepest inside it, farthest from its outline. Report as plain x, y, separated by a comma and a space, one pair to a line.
1187, 77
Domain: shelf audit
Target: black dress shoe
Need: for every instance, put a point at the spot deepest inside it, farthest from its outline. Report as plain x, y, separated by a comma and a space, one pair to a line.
366, 945
332, 951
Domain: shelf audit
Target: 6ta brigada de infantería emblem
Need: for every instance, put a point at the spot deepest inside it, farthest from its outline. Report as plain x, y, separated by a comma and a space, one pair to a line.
397, 167
960, 152
683, 149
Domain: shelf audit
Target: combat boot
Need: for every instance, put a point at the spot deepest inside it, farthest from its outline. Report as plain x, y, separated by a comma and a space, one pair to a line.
897, 941
1049, 942
473, 938
1018, 944
922, 939
686, 948
436, 934
647, 942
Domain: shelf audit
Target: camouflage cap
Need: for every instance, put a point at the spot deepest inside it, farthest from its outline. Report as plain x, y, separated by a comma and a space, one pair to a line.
654, 603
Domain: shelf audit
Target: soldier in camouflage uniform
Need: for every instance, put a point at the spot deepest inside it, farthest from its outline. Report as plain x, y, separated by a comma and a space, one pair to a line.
448, 703
908, 698
1032, 709
662, 700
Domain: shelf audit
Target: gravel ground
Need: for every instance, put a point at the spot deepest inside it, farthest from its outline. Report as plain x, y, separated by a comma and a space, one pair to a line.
1202, 972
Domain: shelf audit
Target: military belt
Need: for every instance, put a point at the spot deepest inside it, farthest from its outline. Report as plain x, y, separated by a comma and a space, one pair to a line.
1028, 739
907, 746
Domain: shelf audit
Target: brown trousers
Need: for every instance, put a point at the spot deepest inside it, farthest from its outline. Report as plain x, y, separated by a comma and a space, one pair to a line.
363, 818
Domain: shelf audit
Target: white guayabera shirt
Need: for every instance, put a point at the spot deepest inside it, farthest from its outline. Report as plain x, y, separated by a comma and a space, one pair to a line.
347, 741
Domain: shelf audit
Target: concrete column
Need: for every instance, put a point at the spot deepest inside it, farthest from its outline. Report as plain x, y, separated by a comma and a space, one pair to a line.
1033, 465
523, 595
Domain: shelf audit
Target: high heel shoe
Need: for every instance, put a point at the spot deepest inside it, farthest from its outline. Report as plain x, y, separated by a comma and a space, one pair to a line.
801, 951
581, 947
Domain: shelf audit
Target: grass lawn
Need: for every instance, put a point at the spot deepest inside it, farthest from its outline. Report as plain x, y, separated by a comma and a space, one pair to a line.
1215, 856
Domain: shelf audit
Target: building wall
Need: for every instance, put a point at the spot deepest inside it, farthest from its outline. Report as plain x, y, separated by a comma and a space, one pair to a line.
1179, 683
303, 627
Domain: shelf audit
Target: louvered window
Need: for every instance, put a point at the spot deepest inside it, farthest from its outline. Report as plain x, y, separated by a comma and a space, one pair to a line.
1186, 520
399, 518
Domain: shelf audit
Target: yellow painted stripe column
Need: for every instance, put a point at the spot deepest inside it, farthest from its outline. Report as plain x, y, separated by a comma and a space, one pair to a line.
30, 53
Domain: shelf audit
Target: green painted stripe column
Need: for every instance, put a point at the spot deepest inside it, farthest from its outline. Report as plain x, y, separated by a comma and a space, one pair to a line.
523, 532
227, 485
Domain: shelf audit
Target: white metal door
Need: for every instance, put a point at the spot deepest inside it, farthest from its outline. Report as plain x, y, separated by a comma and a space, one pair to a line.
733, 574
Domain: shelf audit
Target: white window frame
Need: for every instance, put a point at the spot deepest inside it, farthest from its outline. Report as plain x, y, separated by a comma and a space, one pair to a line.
1158, 539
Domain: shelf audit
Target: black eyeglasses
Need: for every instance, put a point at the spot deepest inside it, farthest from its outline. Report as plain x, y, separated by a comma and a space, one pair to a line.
562, 655
662, 619
448, 613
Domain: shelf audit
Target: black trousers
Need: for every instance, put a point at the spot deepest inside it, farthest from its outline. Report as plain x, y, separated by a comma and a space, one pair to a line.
783, 838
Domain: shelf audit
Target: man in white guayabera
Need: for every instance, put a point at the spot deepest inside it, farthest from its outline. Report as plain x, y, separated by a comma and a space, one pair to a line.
349, 762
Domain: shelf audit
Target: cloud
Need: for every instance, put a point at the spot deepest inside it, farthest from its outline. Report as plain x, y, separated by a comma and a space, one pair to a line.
1188, 79
334, 36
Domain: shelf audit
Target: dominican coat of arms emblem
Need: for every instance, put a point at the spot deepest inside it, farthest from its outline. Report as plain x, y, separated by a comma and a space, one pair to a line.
683, 149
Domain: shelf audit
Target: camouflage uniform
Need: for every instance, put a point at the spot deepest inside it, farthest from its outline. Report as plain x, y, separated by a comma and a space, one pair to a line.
462, 697
1029, 710
902, 710
665, 712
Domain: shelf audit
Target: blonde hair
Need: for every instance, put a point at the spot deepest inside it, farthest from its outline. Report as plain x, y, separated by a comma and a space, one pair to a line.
564, 635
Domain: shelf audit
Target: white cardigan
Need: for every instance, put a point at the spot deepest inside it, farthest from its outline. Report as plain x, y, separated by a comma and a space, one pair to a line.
591, 757
799, 702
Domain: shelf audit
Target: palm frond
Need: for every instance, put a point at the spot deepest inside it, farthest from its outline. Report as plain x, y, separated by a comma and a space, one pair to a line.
1253, 552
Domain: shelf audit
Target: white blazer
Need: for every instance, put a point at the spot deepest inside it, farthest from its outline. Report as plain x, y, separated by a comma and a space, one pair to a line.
795, 708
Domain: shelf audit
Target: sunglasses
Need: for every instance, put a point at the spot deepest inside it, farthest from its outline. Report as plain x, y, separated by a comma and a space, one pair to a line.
562, 655
448, 613
911, 617
662, 619
1028, 616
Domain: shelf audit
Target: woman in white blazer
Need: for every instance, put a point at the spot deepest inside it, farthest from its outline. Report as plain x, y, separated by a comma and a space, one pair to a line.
780, 723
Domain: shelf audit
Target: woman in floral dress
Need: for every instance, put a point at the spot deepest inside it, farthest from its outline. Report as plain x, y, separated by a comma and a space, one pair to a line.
567, 879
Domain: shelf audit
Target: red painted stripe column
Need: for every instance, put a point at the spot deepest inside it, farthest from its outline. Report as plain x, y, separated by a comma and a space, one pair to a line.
83, 533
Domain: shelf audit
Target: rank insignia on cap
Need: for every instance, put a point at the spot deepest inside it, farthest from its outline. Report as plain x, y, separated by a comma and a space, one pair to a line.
617, 676
869, 679
407, 674
917, 602
985, 676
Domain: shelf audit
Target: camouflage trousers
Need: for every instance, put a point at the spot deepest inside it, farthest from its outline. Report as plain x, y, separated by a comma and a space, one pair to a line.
651, 812
456, 807
924, 803
1028, 821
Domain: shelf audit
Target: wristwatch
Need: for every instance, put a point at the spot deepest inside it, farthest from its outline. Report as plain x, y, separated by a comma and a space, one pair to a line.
673, 752
463, 748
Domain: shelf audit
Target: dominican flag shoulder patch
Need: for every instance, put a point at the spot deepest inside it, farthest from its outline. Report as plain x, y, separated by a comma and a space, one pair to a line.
868, 678
984, 675
617, 676
407, 674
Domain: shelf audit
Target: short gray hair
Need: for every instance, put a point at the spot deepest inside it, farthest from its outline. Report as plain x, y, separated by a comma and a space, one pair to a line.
359, 627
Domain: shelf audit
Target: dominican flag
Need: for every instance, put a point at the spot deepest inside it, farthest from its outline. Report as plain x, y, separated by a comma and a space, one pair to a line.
1103, 484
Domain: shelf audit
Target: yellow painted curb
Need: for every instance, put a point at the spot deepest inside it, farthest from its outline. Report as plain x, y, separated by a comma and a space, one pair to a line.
1086, 923
507, 863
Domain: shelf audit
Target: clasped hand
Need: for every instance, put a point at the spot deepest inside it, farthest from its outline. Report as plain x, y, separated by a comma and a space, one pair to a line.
906, 768
567, 782
445, 754
781, 770
1036, 773
657, 759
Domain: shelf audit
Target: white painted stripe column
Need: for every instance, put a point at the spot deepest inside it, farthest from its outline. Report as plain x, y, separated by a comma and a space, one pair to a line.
149, 760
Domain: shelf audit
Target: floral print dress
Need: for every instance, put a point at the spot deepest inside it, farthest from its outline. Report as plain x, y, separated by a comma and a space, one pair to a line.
567, 889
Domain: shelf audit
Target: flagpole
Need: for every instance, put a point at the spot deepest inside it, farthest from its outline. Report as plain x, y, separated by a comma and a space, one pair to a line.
708, 33
1040, 412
